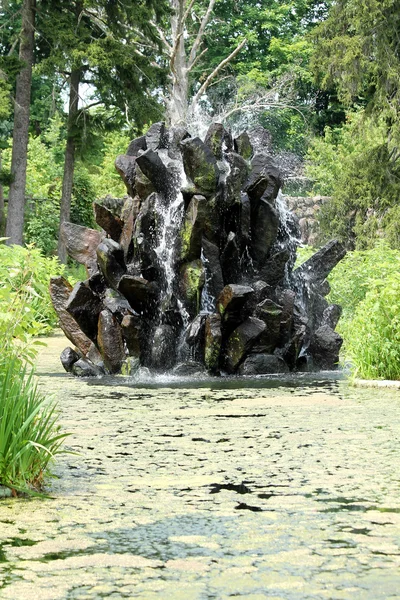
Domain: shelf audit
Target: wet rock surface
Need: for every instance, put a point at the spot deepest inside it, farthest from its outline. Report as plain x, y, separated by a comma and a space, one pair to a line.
282, 490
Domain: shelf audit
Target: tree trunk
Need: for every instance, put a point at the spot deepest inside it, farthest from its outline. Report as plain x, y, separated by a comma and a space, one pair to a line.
16, 198
178, 104
69, 163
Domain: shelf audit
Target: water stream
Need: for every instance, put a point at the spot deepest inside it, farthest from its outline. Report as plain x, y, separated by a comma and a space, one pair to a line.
234, 488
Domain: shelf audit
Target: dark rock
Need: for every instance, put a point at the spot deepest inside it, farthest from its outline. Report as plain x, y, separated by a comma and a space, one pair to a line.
137, 146
265, 179
85, 368
214, 139
126, 167
116, 304
97, 284
264, 230
81, 243
189, 368
231, 302
263, 364
143, 185
241, 341
68, 358
191, 283
108, 221
60, 291
213, 341
157, 136
111, 260
84, 306
286, 299
243, 145
291, 351
274, 270
110, 342
193, 227
324, 288
195, 336
154, 169
129, 215
230, 260
271, 314
324, 347
331, 315
140, 293
213, 270
132, 334
176, 136
318, 267
200, 165
245, 220
163, 348
95, 357
237, 176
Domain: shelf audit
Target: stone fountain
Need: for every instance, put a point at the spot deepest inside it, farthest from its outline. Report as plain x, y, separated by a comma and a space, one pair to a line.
193, 270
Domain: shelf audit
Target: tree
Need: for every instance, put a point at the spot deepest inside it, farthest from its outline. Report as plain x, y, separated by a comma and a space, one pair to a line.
16, 199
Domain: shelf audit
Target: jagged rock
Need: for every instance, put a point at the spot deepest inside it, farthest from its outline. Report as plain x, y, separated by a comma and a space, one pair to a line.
230, 260
68, 358
214, 139
117, 304
231, 302
176, 136
157, 136
111, 260
154, 169
212, 342
318, 267
237, 176
241, 341
265, 179
81, 243
137, 146
126, 167
271, 314
331, 315
291, 351
108, 221
143, 185
110, 342
193, 227
195, 336
146, 221
189, 368
85, 368
129, 215
274, 269
245, 220
263, 364
130, 367
84, 306
140, 293
264, 230
286, 299
325, 346
243, 145
191, 283
97, 283
163, 348
95, 357
60, 291
213, 270
200, 165
131, 333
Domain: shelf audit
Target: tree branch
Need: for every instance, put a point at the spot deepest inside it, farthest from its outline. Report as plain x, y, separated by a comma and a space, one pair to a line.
187, 11
216, 71
200, 33
196, 60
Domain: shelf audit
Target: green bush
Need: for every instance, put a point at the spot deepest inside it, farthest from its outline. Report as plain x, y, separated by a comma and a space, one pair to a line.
24, 281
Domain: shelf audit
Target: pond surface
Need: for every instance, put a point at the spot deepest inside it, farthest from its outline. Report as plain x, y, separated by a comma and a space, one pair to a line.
264, 490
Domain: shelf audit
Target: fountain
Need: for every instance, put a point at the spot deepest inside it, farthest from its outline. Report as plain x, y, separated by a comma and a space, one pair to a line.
193, 270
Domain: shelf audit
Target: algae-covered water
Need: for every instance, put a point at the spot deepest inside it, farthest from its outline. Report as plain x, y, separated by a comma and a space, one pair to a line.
248, 489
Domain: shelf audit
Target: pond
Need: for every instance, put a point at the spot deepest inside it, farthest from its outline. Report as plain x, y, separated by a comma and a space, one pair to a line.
226, 489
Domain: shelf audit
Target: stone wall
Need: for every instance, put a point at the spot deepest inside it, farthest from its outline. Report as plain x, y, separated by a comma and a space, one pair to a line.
306, 210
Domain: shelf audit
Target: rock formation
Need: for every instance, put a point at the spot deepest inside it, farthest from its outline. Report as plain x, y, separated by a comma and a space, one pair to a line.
194, 268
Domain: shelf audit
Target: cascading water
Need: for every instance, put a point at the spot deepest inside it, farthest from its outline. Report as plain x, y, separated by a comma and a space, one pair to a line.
197, 266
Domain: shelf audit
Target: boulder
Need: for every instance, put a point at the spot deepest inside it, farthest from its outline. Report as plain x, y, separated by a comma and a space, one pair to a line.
212, 342
60, 291
318, 267
274, 269
236, 178
230, 260
263, 364
231, 302
242, 145
271, 314
85, 368
143, 185
264, 230
213, 270
193, 227
188, 369
154, 169
241, 341
111, 223
195, 335
111, 260
264, 181
140, 293
110, 341
129, 215
215, 138
163, 348
192, 279
81, 243
157, 137
137, 146
176, 136
117, 304
131, 333
200, 165
68, 358
84, 306
324, 347
126, 167
331, 315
